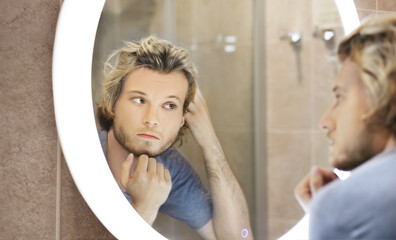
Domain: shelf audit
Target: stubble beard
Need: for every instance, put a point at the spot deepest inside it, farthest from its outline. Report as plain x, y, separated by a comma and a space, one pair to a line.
359, 152
122, 139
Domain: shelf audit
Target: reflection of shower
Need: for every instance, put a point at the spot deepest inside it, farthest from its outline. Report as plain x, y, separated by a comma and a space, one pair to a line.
295, 39
328, 36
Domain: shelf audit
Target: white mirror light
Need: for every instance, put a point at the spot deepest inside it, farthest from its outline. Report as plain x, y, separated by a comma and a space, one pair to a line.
72, 64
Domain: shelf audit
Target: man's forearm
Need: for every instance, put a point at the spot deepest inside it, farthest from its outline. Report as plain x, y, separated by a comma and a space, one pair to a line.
230, 211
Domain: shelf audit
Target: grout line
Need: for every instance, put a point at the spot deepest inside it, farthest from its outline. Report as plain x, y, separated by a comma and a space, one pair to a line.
58, 188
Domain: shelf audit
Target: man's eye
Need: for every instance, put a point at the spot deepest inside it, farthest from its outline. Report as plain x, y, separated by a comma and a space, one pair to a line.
170, 106
138, 100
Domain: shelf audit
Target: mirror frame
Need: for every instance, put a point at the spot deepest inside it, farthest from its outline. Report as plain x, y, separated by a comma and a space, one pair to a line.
71, 79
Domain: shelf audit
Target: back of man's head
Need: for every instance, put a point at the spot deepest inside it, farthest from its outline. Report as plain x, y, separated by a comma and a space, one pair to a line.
156, 54
373, 47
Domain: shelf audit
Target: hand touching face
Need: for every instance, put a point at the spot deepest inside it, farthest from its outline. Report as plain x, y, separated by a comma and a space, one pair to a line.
148, 187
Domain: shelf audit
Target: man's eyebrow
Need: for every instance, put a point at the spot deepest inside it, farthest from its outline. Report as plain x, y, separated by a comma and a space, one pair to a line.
137, 91
144, 94
174, 96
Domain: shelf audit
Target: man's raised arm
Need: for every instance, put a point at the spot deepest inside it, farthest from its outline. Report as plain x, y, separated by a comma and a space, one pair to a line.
230, 210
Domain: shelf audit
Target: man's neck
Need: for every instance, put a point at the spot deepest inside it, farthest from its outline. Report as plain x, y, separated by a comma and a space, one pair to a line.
116, 155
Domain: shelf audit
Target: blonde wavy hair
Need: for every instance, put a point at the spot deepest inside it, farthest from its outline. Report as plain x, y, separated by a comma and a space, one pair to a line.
156, 54
373, 47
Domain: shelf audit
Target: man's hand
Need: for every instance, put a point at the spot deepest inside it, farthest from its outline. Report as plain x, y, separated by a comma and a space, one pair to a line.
149, 186
306, 189
198, 121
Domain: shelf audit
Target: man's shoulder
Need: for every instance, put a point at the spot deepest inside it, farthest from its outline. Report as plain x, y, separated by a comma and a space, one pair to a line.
102, 138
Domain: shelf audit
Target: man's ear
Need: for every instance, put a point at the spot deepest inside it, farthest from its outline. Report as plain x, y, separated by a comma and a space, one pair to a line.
182, 122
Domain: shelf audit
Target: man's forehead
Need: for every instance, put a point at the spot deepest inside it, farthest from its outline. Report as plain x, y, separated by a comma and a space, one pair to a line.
146, 81
348, 73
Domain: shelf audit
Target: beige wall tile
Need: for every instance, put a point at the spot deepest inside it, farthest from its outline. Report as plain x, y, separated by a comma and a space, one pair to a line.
206, 13
385, 12
237, 19
288, 162
184, 31
386, 5
320, 147
227, 85
288, 86
366, 4
366, 14
288, 15
279, 226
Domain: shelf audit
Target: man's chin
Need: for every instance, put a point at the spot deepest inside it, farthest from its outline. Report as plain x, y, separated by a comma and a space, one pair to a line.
344, 163
149, 153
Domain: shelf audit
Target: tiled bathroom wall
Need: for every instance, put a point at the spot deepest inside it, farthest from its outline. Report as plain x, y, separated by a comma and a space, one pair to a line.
28, 139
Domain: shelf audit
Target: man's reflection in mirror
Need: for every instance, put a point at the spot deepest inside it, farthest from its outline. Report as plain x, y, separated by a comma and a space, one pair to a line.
361, 127
149, 97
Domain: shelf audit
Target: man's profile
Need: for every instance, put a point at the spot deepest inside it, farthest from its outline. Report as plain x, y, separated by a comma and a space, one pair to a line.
149, 95
361, 127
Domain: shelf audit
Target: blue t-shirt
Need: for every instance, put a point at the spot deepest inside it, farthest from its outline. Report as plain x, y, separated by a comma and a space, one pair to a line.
188, 201
360, 207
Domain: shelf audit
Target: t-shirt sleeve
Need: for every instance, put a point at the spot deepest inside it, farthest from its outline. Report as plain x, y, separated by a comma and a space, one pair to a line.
189, 201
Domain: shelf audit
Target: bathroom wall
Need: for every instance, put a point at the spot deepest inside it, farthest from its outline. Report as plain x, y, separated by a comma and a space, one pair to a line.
298, 92
28, 142
31, 179
374, 7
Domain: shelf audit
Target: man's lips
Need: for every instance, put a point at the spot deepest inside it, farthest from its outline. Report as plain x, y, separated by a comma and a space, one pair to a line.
148, 136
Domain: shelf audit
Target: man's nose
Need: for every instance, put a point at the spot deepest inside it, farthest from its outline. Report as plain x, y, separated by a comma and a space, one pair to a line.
151, 117
326, 123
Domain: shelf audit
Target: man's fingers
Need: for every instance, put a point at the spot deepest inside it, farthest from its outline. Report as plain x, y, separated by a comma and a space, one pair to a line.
320, 177
327, 175
152, 168
303, 193
160, 171
316, 180
126, 170
142, 163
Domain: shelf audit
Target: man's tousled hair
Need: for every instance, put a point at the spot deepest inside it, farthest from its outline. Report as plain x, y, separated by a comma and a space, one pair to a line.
373, 47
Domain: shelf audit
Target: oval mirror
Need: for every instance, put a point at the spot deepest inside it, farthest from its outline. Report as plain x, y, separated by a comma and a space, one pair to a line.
72, 74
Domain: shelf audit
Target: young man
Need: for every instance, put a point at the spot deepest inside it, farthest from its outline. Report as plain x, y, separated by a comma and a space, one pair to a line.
361, 127
148, 98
